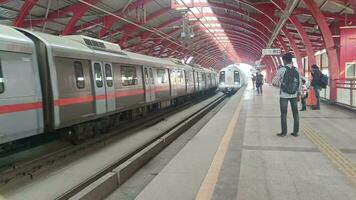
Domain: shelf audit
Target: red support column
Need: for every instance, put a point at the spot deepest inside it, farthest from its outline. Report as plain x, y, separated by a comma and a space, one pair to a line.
24, 11
295, 49
284, 46
306, 40
329, 43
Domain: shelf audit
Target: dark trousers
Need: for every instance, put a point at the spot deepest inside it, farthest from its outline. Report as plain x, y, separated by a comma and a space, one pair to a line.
283, 103
304, 103
317, 95
259, 89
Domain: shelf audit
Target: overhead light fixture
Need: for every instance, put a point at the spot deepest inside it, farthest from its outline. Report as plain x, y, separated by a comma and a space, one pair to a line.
189, 59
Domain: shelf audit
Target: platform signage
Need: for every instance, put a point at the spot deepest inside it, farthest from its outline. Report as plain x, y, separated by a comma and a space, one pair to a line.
273, 51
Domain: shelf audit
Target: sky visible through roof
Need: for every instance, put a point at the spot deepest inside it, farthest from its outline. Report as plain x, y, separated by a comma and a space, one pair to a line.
196, 10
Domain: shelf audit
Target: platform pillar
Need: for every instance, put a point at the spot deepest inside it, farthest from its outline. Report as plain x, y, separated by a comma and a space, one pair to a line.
347, 48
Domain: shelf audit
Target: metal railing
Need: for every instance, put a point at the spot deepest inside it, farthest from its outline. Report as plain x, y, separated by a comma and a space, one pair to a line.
346, 91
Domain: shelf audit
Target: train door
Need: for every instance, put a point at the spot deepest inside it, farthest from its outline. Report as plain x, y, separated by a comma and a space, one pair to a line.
186, 81
197, 81
99, 88
173, 78
149, 84
153, 86
109, 86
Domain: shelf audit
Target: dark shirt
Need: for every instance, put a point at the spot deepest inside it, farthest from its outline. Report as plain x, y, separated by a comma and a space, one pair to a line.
259, 79
316, 78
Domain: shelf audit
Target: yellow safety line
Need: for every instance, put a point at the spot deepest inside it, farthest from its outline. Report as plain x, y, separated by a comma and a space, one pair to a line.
208, 185
334, 154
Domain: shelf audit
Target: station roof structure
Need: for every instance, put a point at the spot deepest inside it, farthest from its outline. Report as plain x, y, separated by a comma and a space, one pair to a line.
212, 33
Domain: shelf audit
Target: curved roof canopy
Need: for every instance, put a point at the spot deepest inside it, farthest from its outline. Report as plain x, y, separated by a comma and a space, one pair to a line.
212, 33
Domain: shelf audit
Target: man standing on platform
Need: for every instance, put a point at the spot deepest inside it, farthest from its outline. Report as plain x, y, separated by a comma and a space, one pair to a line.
259, 82
289, 80
316, 74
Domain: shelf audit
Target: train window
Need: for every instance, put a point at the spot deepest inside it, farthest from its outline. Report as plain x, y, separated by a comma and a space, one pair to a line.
98, 75
2, 84
79, 75
128, 75
222, 77
236, 76
151, 75
108, 75
162, 76
87, 42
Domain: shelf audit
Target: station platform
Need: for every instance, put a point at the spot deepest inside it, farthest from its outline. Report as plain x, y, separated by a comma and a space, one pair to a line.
237, 155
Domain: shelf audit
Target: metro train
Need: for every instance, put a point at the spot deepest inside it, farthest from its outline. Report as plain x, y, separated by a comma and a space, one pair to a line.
231, 79
78, 85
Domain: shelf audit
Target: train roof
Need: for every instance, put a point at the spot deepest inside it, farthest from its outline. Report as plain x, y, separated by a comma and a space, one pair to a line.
229, 67
149, 59
84, 47
68, 46
12, 40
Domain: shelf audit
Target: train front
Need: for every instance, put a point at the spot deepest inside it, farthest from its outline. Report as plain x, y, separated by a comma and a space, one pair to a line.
229, 79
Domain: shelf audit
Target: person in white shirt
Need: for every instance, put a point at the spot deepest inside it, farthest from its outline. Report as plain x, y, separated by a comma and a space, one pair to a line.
289, 80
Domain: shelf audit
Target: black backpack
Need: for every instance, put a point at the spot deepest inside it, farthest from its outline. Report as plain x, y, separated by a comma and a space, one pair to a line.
290, 84
323, 81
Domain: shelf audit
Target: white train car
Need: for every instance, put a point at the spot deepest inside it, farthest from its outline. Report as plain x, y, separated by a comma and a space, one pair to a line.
231, 79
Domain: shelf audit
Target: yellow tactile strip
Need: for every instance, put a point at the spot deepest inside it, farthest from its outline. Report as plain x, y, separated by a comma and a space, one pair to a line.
208, 185
334, 154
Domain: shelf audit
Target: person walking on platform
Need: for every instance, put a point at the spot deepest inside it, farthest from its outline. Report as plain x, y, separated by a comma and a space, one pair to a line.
259, 82
316, 74
289, 80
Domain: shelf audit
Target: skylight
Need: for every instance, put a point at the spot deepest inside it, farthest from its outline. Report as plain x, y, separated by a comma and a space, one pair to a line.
208, 21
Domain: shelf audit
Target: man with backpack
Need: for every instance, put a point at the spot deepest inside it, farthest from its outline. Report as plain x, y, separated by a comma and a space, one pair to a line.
289, 80
319, 81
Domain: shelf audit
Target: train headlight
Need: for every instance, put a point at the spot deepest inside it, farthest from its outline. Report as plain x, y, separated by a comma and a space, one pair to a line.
236, 82
222, 83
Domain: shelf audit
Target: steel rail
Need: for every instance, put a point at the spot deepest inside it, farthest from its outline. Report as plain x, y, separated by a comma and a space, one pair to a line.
29, 169
178, 129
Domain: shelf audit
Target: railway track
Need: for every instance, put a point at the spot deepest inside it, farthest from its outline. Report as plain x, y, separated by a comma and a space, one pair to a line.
141, 155
18, 171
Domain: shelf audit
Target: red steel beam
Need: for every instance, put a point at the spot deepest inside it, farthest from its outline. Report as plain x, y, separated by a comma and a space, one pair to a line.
308, 45
101, 20
23, 12
78, 10
329, 43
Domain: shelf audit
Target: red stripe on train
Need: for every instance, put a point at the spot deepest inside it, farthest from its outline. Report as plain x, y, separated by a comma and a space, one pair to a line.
74, 100
67, 101
129, 93
161, 88
20, 107
87, 99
